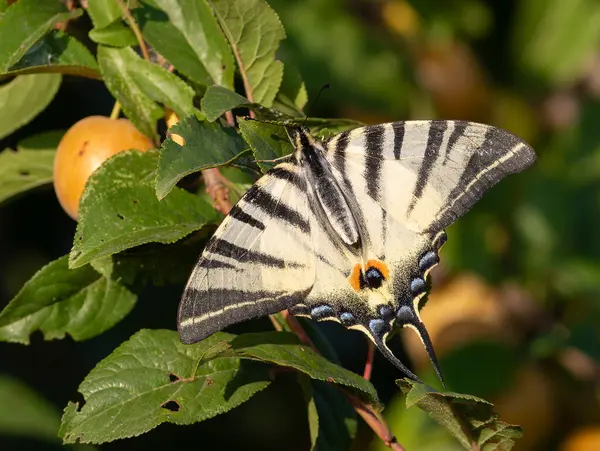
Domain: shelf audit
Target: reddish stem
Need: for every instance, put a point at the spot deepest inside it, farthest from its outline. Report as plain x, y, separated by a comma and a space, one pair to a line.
369, 362
298, 330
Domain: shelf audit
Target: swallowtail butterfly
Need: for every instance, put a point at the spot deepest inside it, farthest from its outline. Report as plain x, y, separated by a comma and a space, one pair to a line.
347, 229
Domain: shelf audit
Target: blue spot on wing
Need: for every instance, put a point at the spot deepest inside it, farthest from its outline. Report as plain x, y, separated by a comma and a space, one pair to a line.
322, 311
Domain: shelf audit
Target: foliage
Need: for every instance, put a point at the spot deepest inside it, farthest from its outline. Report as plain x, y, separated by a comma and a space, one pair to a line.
225, 69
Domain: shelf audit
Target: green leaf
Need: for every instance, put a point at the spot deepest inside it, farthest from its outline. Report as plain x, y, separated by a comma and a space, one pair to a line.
254, 31
218, 100
138, 84
29, 167
337, 418
151, 379
470, 419
119, 209
58, 300
167, 40
115, 34
24, 98
284, 349
103, 12
26, 22
562, 55
331, 418
267, 141
24, 413
206, 145
311, 409
292, 96
57, 52
200, 29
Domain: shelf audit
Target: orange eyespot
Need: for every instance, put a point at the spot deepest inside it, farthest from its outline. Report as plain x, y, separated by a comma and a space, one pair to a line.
357, 278
381, 266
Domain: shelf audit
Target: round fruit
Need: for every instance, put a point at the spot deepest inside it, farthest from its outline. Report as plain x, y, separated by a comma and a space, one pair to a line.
85, 146
584, 439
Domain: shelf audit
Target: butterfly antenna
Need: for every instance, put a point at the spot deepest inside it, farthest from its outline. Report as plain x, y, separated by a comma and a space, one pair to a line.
323, 88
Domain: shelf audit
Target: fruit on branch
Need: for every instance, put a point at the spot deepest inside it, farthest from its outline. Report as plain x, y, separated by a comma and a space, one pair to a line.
84, 147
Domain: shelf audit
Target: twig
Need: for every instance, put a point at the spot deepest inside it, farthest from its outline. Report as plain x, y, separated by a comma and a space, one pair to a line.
114, 114
298, 329
216, 189
369, 362
136, 30
376, 422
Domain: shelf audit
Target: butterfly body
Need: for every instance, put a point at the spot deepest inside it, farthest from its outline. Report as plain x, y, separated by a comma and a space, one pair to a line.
348, 229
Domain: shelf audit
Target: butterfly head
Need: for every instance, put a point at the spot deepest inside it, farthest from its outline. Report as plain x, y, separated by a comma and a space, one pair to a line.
299, 136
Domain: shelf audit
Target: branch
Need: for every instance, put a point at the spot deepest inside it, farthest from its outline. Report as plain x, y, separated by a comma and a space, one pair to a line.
136, 30
370, 357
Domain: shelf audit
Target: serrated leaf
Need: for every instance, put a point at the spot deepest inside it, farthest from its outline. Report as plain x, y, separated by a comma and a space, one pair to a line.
200, 29
470, 419
151, 379
218, 100
60, 53
115, 34
58, 300
254, 31
26, 22
267, 141
167, 40
119, 209
24, 98
138, 85
284, 349
206, 145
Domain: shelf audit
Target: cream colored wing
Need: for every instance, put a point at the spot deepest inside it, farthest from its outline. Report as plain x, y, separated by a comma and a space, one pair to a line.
259, 261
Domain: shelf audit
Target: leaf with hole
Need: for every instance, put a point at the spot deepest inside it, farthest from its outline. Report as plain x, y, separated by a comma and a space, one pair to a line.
24, 23
24, 98
470, 419
119, 209
60, 53
206, 145
197, 24
25, 169
58, 301
151, 379
254, 32
284, 349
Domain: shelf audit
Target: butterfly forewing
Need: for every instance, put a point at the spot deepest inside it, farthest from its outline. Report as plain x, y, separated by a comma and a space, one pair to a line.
259, 261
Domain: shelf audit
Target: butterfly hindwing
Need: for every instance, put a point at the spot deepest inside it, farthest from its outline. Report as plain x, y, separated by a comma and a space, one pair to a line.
259, 261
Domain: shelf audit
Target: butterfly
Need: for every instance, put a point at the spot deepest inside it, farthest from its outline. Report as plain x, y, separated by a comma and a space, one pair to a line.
348, 228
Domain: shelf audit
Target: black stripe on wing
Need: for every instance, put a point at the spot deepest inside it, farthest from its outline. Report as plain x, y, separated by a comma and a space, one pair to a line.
500, 154
398, 128
239, 214
226, 249
262, 199
374, 141
432, 150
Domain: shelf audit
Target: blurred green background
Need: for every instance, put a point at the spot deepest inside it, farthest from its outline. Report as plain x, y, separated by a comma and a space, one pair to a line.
515, 309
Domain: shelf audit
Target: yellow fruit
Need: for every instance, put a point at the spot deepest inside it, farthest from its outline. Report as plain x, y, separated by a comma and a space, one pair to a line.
584, 439
84, 147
